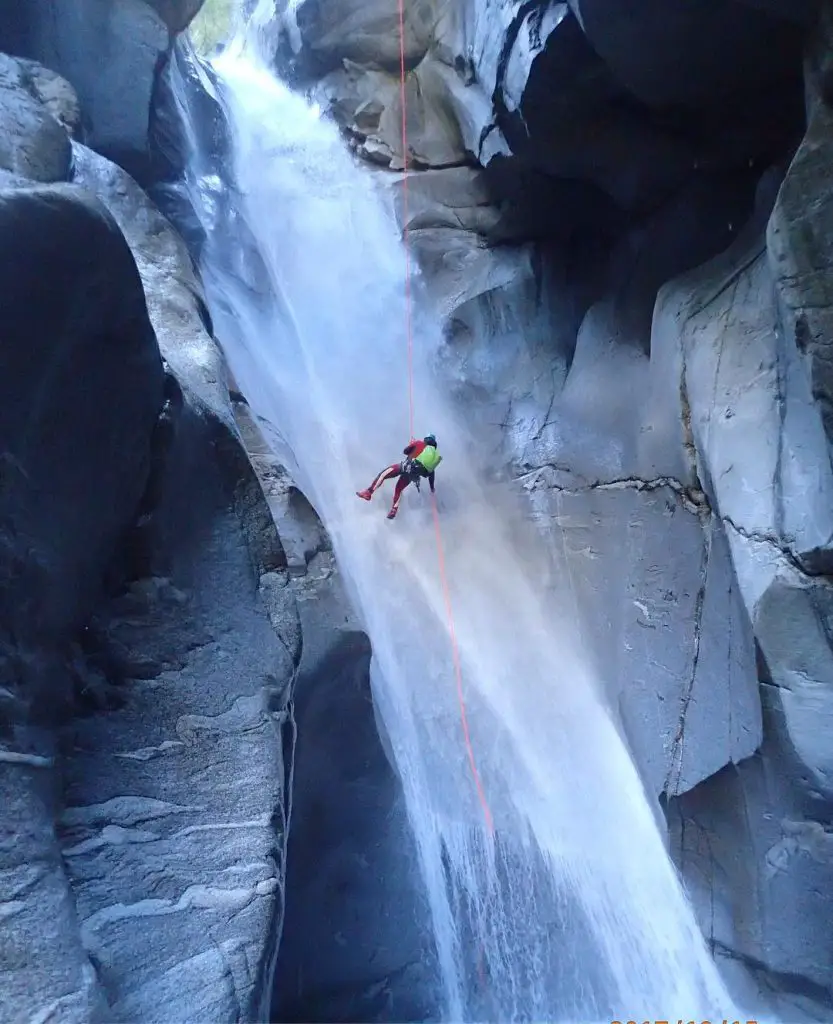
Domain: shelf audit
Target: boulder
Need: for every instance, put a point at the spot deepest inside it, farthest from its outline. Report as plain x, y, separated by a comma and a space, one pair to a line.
82, 383
109, 52
177, 14
175, 303
54, 92
323, 32
78, 351
35, 108
145, 779
368, 104
213, 753
689, 54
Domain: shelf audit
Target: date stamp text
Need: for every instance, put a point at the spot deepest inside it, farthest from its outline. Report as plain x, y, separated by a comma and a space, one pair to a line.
679, 1020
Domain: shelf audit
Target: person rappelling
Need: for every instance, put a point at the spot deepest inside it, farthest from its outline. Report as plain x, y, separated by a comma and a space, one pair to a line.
420, 462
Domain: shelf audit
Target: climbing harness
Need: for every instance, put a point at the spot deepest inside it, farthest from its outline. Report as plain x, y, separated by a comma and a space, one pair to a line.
455, 651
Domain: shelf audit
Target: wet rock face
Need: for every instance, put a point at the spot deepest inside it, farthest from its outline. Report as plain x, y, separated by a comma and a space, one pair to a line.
648, 357
635, 111
750, 852
148, 636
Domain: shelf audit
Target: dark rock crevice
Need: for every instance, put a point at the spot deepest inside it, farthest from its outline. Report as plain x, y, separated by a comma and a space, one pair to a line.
782, 982
357, 941
810, 565
693, 495
675, 767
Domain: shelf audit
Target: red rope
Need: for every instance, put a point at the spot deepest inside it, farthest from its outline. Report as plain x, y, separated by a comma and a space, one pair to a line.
408, 316
458, 671
455, 652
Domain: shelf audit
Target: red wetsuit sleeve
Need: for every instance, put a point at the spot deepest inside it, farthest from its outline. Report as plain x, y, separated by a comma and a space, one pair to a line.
414, 448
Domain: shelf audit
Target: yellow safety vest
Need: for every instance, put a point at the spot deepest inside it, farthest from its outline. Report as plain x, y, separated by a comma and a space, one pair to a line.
429, 458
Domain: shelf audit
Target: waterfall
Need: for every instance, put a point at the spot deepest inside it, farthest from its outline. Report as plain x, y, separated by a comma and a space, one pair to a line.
571, 910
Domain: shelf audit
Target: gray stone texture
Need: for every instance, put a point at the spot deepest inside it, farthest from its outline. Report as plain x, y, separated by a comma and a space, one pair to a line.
110, 51
628, 244
631, 260
149, 638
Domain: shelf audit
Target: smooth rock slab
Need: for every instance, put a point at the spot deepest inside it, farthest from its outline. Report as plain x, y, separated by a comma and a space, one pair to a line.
758, 872
653, 582
763, 456
176, 801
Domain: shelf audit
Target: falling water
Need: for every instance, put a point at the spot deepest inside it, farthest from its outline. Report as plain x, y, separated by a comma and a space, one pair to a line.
571, 909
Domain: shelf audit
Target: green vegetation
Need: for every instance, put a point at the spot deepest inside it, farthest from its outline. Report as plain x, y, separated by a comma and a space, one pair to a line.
212, 25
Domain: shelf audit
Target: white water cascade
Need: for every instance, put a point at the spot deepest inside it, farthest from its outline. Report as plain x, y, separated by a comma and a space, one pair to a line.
571, 910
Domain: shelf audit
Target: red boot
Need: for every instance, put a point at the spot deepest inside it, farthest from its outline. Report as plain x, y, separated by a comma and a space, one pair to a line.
367, 494
392, 513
